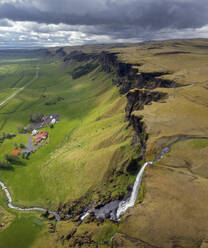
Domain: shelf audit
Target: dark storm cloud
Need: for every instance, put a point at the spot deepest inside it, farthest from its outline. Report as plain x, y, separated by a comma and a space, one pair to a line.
154, 14
117, 19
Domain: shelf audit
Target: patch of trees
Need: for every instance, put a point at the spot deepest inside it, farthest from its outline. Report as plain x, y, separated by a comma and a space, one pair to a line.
6, 136
10, 161
4, 165
13, 159
54, 100
36, 117
21, 146
83, 70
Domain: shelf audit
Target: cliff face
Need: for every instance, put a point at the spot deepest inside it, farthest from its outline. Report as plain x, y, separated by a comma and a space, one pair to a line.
128, 80
139, 90
127, 77
137, 98
80, 56
175, 186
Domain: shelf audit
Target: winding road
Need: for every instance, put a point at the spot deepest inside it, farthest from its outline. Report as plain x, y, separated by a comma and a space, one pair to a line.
21, 89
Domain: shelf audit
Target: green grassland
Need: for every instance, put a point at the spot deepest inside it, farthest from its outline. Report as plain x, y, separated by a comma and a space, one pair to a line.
60, 168
92, 141
80, 147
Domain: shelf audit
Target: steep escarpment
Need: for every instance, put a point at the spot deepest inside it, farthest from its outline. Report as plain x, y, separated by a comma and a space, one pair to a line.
156, 110
127, 76
137, 98
102, 201
80, 56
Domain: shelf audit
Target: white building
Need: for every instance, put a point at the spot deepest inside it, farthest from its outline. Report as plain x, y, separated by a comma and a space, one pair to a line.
53, 121
34, 132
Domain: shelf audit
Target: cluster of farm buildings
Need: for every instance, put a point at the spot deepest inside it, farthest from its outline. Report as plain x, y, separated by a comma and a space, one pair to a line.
39, 136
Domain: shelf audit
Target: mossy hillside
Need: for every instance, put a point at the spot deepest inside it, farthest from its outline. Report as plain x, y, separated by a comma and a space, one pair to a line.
16, 74
181, 61
98, 234
91, 128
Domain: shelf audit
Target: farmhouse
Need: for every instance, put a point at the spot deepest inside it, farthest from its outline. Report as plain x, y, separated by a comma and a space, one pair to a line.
16, 152
40, 137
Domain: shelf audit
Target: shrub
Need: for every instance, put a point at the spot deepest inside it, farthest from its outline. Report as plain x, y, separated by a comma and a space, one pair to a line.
36, 117
53, 101
22, 146
5, 166
12, 159
6, 136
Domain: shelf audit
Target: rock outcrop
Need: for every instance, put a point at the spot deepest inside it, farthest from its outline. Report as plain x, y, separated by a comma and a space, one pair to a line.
137, 98
127, 76
80, 56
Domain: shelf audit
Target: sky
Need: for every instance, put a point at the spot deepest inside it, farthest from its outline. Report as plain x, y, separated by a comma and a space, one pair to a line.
44, 23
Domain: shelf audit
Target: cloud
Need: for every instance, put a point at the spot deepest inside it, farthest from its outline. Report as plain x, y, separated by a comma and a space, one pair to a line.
84, 21
5, 23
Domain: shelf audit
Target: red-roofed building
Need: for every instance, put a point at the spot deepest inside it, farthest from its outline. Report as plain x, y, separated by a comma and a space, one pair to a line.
16, 152
40, 137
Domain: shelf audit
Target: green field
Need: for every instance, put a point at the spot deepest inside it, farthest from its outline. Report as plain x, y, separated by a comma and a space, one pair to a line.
91, 127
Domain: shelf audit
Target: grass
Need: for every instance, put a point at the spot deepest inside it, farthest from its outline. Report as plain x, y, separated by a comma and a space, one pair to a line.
91, 127
200, 143
23, 229
8, 145
58, 167
90, 146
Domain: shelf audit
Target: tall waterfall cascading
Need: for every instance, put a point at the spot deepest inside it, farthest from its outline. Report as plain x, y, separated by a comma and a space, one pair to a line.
124, 205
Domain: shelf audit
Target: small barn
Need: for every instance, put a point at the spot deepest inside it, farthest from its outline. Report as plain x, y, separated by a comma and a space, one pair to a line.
16, 152
40, 137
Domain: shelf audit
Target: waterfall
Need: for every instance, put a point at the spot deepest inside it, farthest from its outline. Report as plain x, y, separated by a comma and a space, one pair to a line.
124, 205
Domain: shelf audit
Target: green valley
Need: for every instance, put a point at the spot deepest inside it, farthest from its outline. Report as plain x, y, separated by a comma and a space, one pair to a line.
114, 108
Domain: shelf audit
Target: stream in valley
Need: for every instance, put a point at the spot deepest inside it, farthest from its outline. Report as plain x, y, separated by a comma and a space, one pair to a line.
10, 205
114, 209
